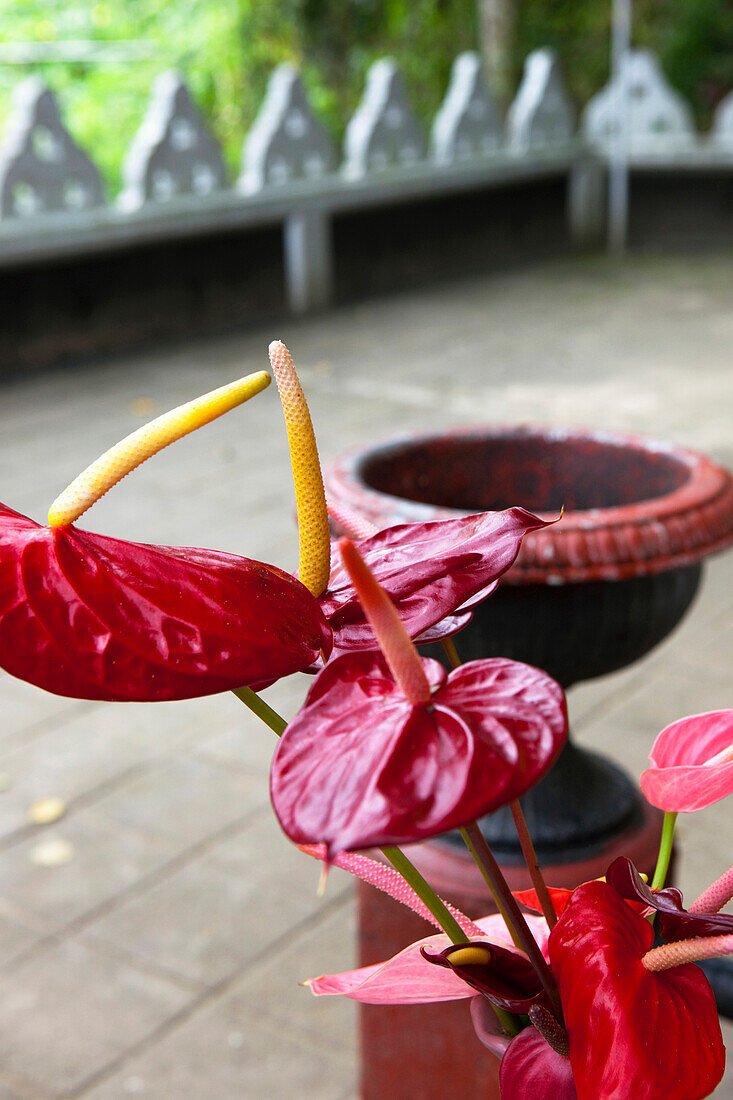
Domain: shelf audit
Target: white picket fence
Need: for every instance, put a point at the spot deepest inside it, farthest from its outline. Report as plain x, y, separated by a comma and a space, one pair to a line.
52, 201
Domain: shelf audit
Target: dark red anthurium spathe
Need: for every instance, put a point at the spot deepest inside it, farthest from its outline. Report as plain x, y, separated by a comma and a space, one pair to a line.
505, 978
360, 765
656, 1033
430, 570
673, 922
94, 617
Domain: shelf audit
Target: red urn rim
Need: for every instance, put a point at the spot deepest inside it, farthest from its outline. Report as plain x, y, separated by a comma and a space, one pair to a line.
670, 506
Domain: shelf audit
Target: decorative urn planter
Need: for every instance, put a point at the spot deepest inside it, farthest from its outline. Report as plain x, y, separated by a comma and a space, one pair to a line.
586, 596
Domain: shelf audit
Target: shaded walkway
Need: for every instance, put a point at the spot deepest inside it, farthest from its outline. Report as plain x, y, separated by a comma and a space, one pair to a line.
162, 959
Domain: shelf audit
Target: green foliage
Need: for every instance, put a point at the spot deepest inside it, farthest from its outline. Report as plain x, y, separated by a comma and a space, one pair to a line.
226, 50
692, 38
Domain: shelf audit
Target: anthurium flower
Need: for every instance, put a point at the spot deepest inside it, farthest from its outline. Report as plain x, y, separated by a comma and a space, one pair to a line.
674, 922
389, 749
631, 1031
408, 977
94, 617
691, 763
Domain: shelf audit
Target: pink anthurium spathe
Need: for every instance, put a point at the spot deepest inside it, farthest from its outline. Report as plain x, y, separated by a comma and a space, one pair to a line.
408, 977
94, 617
691, 763
630, 1028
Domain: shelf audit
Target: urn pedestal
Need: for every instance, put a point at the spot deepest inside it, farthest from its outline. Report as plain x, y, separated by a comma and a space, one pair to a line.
586, 596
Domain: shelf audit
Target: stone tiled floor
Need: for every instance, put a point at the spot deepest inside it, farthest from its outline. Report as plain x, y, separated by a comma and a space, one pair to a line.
163, 960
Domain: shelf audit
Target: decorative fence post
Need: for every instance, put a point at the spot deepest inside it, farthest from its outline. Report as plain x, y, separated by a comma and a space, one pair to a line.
174, 152
722, 132
467, 123
42, 169
383, 132
541, 116
285, 146
656, 117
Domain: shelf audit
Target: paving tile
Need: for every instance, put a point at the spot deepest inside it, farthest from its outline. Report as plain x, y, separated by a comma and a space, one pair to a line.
210, 917
68, 1013
229, 1054
87, 750
273, 984
107, 858
15, 939
185, 801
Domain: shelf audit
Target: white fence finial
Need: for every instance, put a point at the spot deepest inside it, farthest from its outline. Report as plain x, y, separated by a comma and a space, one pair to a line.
541, 116
174, 152
722, 132
467, 123
383, 132
42, 169
286, 142
657, 118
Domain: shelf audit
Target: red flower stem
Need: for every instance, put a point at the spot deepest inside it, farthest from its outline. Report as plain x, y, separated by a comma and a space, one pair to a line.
451, 652
510, 911
665, 851
533, 865
259, 707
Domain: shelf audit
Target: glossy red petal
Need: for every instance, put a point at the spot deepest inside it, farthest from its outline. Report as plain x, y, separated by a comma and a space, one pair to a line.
430, 570
631, 1032
98, 618
559, 897
692, 763
359, 766
530, 1068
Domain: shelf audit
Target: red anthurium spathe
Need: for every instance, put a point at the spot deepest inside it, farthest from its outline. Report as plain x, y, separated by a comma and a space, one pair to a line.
94, 617
531, 1068
430, 570
388, 749
360, 765
99, 618
691, 763
631, 1031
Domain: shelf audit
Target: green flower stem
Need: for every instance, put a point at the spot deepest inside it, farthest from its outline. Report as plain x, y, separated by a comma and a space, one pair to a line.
451, 652
413, 878
533, 865
259, 707
510, 911
665, 851
444, 917
396, 857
